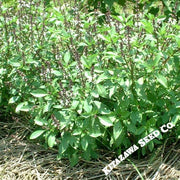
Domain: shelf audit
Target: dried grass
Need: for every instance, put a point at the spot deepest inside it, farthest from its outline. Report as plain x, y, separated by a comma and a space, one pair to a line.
22, 160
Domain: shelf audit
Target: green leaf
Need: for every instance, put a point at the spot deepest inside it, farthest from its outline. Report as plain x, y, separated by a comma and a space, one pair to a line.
40, 122
178, 41
13, 99
97, 104
168, 4
131, 128
57, 106
36, 134
94, 93
87, 106
61, 118
39, 93
73, 141
104, 109
162, 30
103, 37
101, 90
82, 44
101, 78
117, 130
151, 146
148, 26
95, 132
51, 140
84, 142
119, 18
2, 71
106, 121
85, 62
157, 58
178, 104
175, 119
112, 91
25, 108
67, 57
77, 131
15, 64
74, 159
140, 81
64, 145
162, 80
47, 107
101, 108
74, 104
22, 107
140, 130
136, 117
57, 73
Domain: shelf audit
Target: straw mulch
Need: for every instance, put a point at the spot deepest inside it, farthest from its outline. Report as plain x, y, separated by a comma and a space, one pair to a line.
20, 159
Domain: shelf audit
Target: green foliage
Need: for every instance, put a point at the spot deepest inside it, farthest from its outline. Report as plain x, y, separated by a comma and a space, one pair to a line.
163, 7
87, 85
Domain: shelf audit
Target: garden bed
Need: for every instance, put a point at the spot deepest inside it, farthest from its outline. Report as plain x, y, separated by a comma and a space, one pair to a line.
20, 159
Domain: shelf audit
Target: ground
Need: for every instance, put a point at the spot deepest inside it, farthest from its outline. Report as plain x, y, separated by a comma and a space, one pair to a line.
23, 160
